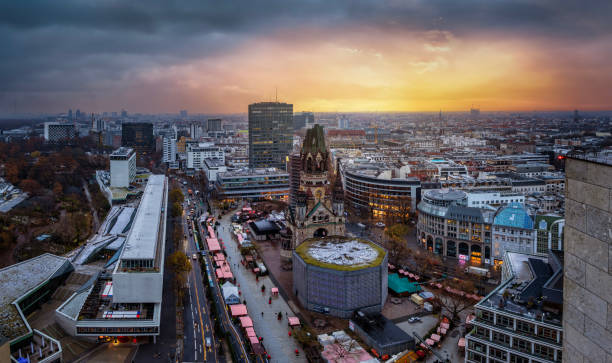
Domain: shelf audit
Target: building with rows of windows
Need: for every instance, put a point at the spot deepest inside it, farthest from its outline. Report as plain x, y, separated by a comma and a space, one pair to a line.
380, 190
521, 320
448, 227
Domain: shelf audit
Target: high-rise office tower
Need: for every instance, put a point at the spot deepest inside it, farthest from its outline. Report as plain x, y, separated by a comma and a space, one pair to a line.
183, 113
195, 131
303, 119
343, 122
78, 114
70, 114
139, 136
213, 125
270, 134
169, 150
295, 173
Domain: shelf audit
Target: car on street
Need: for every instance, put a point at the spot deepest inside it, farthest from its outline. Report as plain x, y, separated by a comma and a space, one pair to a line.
194, 256
414, 319
208, 343
380, 225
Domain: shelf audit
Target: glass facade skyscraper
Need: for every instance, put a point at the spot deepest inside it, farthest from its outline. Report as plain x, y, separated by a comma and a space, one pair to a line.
270, 134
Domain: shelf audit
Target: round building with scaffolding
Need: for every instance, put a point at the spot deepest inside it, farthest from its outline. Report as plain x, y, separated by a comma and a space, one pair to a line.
337, 275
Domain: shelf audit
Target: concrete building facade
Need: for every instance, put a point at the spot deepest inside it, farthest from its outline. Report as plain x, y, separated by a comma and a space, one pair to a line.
587, 299
122, 167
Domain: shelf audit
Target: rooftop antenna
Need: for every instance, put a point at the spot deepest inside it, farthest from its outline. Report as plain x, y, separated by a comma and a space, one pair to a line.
275, 94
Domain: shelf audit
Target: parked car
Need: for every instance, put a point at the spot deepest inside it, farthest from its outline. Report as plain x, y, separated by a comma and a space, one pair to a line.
380, 225
414, 319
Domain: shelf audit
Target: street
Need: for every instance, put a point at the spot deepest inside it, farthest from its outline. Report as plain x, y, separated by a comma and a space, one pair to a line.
197, 319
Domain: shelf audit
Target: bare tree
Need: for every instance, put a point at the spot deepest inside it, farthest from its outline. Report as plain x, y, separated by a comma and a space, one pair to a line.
454, 304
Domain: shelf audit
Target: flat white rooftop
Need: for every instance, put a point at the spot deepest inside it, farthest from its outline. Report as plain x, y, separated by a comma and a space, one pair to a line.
141, 243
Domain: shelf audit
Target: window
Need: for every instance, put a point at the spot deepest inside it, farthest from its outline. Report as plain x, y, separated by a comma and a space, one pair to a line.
479, 347
487, 316
501, 338
482, 332
521, 345
518, 359
474, 357
525, 327
544, 351
505, 321
547, 333
498, 353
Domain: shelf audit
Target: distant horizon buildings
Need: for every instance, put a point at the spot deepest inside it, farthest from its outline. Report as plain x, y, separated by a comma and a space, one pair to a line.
303, 119
270, 134
58, 131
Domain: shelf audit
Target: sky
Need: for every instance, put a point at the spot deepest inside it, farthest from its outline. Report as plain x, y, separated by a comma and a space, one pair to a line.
323, 56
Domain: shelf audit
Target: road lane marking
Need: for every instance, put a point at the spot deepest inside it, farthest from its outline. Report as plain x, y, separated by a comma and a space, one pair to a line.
199, 310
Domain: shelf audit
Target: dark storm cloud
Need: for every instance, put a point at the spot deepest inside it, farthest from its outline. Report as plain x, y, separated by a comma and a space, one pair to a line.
71, 46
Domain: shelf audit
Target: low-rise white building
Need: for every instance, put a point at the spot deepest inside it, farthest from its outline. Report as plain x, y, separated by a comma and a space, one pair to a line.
212, 167
479, 199
128, 301
122, 167
196, 153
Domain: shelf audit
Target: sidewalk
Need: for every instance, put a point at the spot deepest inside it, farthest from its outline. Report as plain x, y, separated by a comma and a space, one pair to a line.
279, 345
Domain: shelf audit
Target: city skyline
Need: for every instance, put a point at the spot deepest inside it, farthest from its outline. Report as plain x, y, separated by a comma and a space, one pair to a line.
391, 57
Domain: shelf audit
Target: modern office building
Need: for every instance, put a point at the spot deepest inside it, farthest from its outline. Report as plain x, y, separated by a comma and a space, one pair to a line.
521, 320
587, 301
122, 167
59, 131
513, 231
214, 125
339, 275
448, 227
195, 131
380, 190
252, 184
138, 136
270, 134
343, 122
128, 301
295, 171
197, 152
169, 150
302, 120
